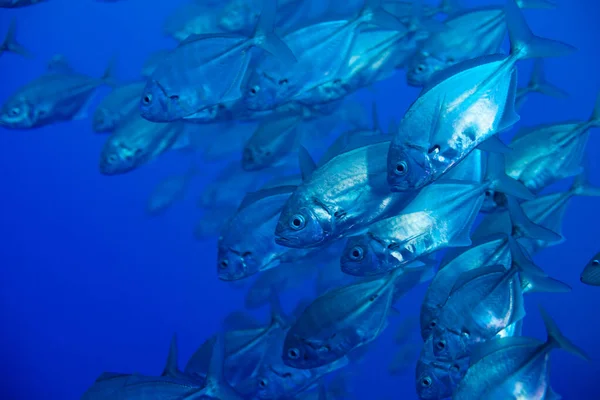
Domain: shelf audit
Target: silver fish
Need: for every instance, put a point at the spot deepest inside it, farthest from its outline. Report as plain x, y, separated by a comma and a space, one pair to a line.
115, 107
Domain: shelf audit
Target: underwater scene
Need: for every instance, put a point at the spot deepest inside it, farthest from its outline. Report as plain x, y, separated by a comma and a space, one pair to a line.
300, 199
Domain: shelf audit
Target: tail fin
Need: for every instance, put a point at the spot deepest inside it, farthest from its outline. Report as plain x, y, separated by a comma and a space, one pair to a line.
533, 278
496, 175
539, 84
556, 338
524, 44
595, 118
521, 223
582, 187
10, 43
265, 37
542, 4
277, 315
380, 17
171, 368
108, 76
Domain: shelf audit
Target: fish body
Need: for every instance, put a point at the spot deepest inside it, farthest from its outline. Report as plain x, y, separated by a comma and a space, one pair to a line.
115, 107
167, 192
440, 216
139, 387
136, 142
341, 197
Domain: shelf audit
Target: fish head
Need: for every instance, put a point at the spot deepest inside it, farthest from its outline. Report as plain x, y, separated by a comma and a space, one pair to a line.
301, 225
301, 353
159, 105
266, 90
409, 168
359, 258
275, 380
103, 121
118, 157
448, 345
256, 157
422, 67
494, 201
234, 265
237, 16
436, 380
18, 113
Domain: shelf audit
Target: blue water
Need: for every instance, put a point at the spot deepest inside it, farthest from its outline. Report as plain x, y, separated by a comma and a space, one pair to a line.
89, 283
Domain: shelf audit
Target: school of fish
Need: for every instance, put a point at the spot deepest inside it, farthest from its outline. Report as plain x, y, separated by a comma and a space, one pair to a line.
381, 210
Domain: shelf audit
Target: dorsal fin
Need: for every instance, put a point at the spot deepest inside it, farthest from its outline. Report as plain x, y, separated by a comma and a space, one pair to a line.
307, 164
171, 369
254, 197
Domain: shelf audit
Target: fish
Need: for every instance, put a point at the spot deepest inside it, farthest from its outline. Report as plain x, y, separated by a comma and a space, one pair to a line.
546, 154
191, 18
320, 49
466, 105
538, 84
591, 273
57, 96
19, 3
206, 70
485, 301
169, 191
346, 318
340, 197
212, 222
241, 254
116, 106
136, 142
440, 216
10, 43
514, 366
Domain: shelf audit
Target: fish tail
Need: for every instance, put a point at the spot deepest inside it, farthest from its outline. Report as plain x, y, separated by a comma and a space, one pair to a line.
265, 37
496, 175
10, 44
521, 223
171, 366
540, 4
380, 17
595, 118
524, 44
108, 76
539, 84
556, 338
277, 314
533, 278
582, 187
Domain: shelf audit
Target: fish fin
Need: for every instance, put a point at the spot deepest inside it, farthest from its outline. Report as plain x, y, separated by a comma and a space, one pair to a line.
106, 376
58, 64
539, 4
484, 349
171, 368
595, 118
556, 337
82, 113
253, 197
10, 43
277, 314
582, 187
496, 174
552, 395
381, 17
539, 84
265, 37
375, 116
468, 276
494, 145
215, 377
524, 44
108, 76
239, 320
591, 274
463, 238
307, 164
526, 227
510, 116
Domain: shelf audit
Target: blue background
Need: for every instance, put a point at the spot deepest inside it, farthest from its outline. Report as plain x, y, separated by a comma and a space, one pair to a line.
89, 283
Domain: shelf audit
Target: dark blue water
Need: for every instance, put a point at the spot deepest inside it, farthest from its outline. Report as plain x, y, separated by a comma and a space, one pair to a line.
89, 283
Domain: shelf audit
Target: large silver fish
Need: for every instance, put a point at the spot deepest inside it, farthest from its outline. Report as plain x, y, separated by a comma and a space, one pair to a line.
115, 107
466, 105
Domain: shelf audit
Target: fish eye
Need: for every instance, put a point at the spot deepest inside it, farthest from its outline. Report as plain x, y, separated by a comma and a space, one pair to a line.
595, 263
451, 59
112, 158
441, 345
466, 333
147, 98
223, 264
401, 168
283, 81
297, 222
174, 97
488, 193
15, 111
357, 253
434, 149
426, 382
263, 383
293, 353
420, 68
254, 89
432, 324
